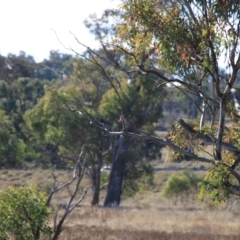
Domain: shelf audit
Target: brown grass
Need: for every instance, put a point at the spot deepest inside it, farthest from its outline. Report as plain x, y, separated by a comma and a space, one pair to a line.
151, 219
138, 223
145, 216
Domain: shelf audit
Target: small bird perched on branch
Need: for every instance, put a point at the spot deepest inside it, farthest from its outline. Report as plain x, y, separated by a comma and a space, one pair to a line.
124, 121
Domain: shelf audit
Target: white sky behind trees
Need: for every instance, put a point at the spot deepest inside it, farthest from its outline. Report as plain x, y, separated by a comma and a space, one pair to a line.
25, 25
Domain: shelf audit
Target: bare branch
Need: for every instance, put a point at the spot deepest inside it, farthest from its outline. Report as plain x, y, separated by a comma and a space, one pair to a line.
92, 53
169, 144
78, 173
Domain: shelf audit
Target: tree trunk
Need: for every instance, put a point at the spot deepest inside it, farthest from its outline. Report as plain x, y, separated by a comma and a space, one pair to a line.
96, 179
116, 177
96, 188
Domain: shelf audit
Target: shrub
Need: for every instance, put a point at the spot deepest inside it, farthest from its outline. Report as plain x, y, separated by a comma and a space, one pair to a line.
23, 214
180, 185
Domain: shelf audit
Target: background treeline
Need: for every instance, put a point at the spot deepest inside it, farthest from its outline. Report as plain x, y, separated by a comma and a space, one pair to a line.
36, 127
22, 83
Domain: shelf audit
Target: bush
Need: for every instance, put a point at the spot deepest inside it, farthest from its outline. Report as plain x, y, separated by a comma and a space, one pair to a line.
23, 214
180, 185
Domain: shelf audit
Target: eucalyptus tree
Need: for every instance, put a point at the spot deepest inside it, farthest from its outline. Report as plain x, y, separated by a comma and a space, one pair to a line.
131, 105
188, 44
62, 136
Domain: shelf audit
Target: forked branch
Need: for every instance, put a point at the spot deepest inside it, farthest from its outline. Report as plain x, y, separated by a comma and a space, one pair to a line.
73, 201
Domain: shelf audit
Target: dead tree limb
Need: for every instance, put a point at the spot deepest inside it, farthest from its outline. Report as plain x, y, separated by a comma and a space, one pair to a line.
73, 201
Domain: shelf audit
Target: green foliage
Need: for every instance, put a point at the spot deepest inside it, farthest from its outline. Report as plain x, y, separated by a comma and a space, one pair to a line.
58, 66
22, 84
93, 85
177, 34
17, 67
53, 125
134, 100
139, 173
49, 120
138, 179
180, 137
15, 99
19, 96
26, 92
104, 178
61, 131
13, 151
180, 184
24, 214
214, 184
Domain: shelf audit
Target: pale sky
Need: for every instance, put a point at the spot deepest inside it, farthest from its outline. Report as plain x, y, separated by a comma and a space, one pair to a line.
26, 25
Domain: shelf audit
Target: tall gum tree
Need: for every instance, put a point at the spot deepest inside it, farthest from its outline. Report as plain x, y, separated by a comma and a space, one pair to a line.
192, 41
123, 98
188, 44
136, 113
129, 105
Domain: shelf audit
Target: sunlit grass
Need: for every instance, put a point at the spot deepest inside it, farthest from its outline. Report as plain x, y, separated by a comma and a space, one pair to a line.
147, 212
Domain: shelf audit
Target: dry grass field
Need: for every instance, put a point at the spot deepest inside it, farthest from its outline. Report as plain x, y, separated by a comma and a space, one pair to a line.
145, 216
151, 223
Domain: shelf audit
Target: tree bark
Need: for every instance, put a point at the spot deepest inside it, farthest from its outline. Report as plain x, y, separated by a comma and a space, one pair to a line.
95, 188
114, 191
96, 178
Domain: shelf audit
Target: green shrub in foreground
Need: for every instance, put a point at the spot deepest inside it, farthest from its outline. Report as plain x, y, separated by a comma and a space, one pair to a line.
23, 214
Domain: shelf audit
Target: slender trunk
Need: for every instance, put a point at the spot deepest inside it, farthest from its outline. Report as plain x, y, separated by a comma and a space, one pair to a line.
96, 178
95, 188
59, 229
113, 197
202, 115
213, 106
213, 117
220, 130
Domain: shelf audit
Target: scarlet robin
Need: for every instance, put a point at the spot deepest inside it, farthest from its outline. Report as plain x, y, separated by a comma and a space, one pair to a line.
122, 118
